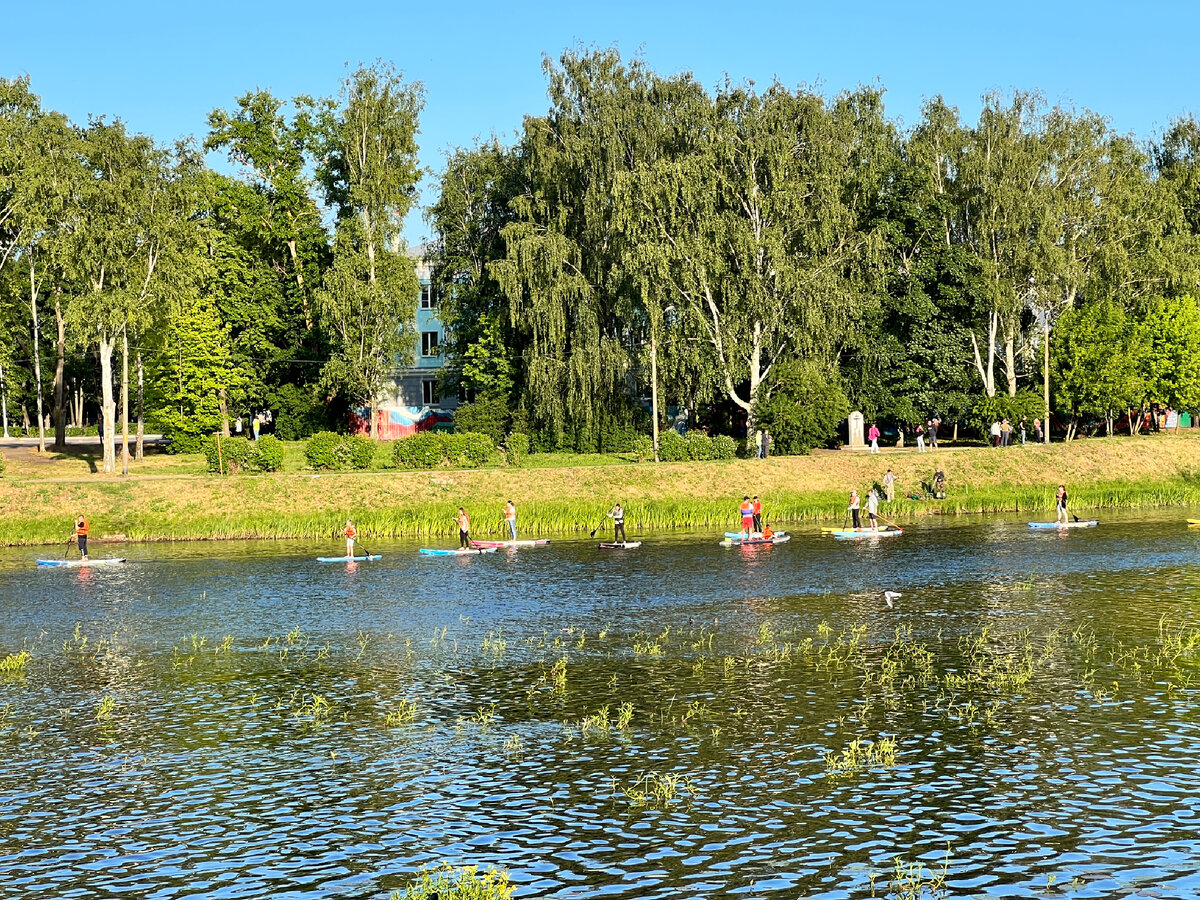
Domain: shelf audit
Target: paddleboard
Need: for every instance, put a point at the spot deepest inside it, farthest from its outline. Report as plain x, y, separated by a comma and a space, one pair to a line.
347, 558
1088, 523
627, 545
495, 545
852, 534
474, 551
80, 563
1193, 521
736, 535
781, 538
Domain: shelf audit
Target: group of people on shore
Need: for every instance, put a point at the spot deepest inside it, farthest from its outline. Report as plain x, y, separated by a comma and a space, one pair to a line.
927, 435
1002, 431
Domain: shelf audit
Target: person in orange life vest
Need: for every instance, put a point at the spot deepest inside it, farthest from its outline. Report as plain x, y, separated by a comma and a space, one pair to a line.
510, 516
81, 534
351, 534
854, 509
747, 510
768, 533
756, 508
464, 529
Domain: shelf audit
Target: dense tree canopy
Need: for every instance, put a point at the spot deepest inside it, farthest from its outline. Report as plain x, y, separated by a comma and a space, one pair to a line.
646, 252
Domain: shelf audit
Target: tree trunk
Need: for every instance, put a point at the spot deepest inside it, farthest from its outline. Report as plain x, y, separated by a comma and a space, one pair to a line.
108, 409
291, 245
654, 392
4, 400
1010, 362
223, 409
141, 408
37, 356
124, 402
60, 412
1046, 379
987, 374
25, 418
371, 417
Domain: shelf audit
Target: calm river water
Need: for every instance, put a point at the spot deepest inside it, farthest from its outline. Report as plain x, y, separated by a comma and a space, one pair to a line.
237, 720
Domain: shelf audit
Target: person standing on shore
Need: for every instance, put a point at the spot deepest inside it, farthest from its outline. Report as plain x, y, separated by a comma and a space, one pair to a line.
756, 509
1023, 431
617, 514
1037, 431
351, 533
921, 436
1060, 504
510, 516
464, 529
81, 536
256, 425
931, 434
889, 486
854, 508
873, 437
994, 431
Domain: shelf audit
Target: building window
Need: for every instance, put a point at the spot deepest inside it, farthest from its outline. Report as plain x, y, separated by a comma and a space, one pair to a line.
429, 392
428, 298
429, 343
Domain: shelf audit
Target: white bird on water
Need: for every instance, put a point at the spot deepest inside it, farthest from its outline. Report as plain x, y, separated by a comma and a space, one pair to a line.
890, 597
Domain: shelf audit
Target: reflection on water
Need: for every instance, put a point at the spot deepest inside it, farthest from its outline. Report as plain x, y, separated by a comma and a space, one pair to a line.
283, 727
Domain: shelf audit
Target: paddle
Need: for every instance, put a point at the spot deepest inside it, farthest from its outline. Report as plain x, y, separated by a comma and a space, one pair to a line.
888, 522
592, 533
67, 549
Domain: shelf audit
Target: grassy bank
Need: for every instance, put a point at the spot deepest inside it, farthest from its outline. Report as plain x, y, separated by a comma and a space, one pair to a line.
163, 501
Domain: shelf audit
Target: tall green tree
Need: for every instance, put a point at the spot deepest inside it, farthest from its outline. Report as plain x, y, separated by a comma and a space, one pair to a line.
367, 151
119, 255
770, 259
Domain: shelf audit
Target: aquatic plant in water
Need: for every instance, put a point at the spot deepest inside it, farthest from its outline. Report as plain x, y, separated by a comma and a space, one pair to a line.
447, 882
14, 663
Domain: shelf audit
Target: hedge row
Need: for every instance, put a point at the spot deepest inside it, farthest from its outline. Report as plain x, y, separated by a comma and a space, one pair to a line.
239, 454
438, 449
674, 447
326, 450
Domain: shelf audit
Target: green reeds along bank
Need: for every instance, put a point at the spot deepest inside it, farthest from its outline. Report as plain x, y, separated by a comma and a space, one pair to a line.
302, 511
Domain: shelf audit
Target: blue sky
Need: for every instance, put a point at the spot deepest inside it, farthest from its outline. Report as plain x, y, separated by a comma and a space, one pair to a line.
161, 67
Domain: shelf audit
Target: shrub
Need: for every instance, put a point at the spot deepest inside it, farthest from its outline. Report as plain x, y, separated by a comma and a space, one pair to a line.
453, 448
516, 448
723, 447
423, 450
805, 411
699, 446
359, 451
487, 415
643, 448
476, 448
321, 450
236, 454
298, 413
268, 455
672, 447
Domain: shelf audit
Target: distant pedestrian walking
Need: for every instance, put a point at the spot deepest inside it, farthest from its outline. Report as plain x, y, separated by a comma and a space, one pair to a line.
873, 437
1022, 431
